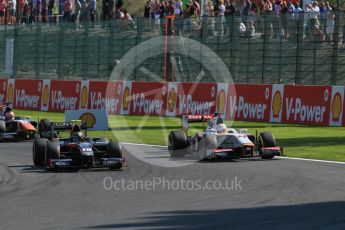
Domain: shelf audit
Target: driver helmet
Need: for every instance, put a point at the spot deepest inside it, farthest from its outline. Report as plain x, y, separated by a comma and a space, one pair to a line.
9, 115
76, 133
221, 128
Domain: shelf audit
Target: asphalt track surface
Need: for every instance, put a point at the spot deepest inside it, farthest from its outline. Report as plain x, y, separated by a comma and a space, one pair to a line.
270, 194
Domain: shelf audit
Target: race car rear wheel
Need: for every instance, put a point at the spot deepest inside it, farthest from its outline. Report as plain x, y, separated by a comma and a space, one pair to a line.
52, 152
38, 151
177, 144
114, 149
266, 139
44, 125
2, 127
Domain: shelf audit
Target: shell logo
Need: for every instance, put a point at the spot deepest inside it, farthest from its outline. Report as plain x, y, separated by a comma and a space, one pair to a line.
277, 104
89, 118
126, 99
171, 100
336, 107
221, 101
83, 96
45, 95
10, 92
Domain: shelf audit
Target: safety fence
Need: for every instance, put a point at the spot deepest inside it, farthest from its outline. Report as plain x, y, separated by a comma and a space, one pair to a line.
295, 104
287, 49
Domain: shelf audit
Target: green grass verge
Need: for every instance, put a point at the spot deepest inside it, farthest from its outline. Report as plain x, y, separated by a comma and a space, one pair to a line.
325, 143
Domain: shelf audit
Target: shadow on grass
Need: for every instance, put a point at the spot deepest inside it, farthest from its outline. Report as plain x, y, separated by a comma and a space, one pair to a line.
328, 215
144, 128
311, 141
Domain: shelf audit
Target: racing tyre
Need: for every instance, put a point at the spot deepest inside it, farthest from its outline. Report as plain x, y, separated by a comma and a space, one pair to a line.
114, 149
266, 139
2, 127
177, 144
52, 152
44, 128
38, 151
44, 125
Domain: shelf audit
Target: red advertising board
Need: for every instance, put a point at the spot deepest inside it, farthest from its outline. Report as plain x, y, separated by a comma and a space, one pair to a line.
3, 89
148, 98
196, 98
27, 94
306, 105
64, 95
249, 103
105, 95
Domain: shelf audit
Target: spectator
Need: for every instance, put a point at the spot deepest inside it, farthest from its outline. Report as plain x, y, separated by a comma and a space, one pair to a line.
118, 13
50, 10
187, 14
55, 13
157, 14
251, 29
25, 15
277, 8
170, 10
163, 9
44, 11
12, 4
313, 22
245, 12
77, 11
67, 11
266, 12
197, 10
209, 13
325, 11
229, 11
290, 20
129, 23
37, 10
330, 27
3, 5
220, 20
108, 9
229, 8
92, 9
147, 9
241, 28
178, 8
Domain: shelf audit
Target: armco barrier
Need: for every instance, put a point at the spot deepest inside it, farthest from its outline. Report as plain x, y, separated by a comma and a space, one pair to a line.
295, 104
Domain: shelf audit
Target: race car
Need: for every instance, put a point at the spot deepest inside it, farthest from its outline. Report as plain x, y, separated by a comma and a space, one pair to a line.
76, 151
14, 128
220, 142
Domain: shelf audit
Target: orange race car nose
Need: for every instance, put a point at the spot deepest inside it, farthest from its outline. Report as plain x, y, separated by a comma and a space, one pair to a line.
27, 126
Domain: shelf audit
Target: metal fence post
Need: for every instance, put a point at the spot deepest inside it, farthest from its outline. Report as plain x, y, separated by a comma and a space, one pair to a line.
300, 35
335, 51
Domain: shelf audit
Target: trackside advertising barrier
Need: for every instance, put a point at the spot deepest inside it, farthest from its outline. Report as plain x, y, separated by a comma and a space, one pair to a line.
294, 104
249, 102
27, 94
103, 95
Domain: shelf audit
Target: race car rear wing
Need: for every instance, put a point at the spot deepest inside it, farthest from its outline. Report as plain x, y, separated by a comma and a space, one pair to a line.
67, 125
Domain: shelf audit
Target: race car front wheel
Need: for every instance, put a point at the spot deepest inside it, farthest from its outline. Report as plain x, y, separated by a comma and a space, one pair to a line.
114, 150
52, 152
266, 139
38, 151
177, 144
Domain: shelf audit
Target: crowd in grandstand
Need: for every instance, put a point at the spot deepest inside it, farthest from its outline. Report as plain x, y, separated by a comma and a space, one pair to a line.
276, 18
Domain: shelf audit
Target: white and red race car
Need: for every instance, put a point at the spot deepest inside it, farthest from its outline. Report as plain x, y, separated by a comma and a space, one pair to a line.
218, 141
